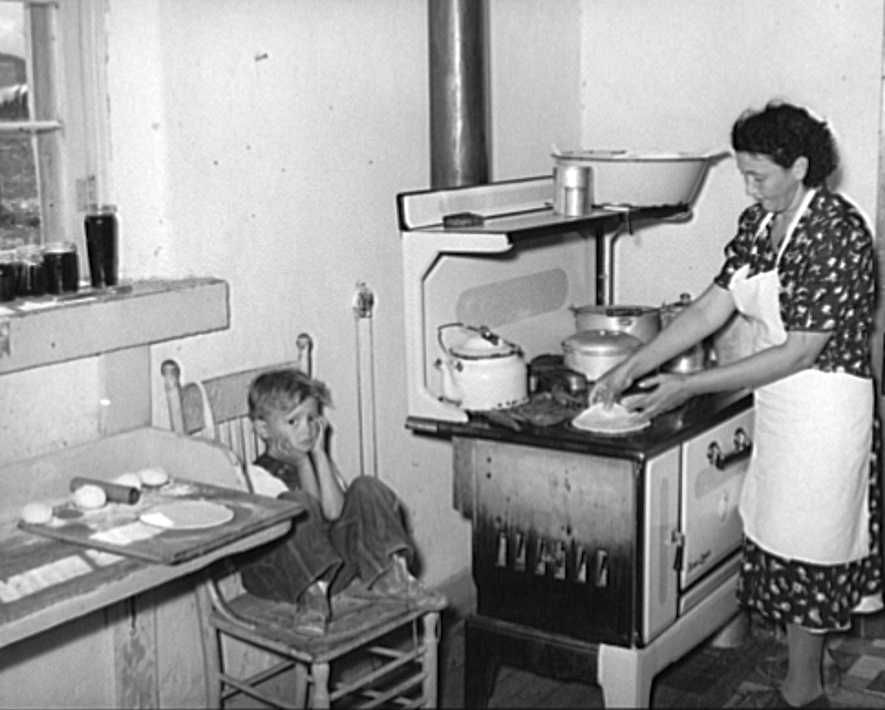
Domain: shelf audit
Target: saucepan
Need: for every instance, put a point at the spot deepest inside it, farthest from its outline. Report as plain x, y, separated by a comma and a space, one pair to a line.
595, 352
643, 322
697, 357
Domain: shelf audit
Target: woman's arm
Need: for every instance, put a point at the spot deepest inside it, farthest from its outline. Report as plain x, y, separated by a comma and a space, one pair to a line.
797, 352
698, 320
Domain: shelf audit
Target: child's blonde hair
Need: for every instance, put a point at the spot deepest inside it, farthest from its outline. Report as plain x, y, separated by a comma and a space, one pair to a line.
282, 390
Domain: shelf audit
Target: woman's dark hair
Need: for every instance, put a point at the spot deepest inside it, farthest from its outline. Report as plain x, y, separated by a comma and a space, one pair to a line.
785, 132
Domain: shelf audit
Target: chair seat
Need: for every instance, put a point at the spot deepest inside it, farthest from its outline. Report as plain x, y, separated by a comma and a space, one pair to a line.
355, 621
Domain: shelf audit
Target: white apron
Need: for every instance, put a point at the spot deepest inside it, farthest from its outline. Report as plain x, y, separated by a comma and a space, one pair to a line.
806, 489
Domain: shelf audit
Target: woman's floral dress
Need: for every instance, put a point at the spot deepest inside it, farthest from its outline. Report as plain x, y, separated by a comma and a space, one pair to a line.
828, 283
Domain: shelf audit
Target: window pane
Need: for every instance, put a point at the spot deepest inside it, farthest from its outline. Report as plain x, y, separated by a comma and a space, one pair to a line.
13, 71
19, 199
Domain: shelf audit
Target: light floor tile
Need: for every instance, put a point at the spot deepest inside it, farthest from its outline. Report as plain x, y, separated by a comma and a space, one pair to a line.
867, 667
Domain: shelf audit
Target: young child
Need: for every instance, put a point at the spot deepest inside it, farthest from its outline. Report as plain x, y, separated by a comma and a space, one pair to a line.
350, 534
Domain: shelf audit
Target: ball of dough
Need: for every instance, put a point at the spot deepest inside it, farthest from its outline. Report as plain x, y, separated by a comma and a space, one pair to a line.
89, 497
36, 513
154, 476
133, 480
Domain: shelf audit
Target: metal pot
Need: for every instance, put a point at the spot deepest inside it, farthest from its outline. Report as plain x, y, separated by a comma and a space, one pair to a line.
595, 352
697, 357
643, 322
481, 370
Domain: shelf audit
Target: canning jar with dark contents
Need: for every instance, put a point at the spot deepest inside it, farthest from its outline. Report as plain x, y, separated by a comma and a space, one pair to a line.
7, 274
101, 244
31, 279
62, 267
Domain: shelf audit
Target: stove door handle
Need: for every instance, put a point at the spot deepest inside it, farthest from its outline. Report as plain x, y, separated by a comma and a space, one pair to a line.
743, 447
677, 540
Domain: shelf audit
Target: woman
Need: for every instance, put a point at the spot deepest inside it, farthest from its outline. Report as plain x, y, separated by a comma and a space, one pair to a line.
800, 271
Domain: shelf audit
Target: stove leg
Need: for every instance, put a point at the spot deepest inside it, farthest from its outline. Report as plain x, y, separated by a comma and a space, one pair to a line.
482, 660
624, 678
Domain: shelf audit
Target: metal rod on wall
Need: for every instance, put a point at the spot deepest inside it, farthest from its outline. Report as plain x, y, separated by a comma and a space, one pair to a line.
363, 305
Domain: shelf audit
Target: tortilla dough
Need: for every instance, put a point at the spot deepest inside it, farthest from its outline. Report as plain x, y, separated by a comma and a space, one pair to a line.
614, 419
154, 476
89, 497
36, 513
614, 411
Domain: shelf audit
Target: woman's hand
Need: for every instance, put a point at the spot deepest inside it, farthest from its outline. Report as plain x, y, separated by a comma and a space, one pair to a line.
664, 392
608, 388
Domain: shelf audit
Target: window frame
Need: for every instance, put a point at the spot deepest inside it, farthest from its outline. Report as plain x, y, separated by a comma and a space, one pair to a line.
66, 68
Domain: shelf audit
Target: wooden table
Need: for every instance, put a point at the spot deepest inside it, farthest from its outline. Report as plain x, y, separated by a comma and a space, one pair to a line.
102, 629
51, 574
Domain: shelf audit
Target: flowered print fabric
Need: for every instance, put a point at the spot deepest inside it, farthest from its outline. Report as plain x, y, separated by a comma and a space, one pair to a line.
827, 280
817, 597
826, 275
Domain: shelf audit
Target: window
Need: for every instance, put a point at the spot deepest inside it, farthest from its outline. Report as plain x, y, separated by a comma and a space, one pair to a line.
52, 118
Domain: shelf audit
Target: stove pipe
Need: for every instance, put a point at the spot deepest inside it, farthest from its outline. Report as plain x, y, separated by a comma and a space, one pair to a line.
458, 122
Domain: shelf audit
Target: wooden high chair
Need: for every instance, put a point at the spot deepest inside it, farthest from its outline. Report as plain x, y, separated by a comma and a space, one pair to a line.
384, 651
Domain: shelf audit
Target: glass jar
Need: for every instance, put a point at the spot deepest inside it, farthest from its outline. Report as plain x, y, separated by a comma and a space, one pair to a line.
31, 280
100, 224
8, 273
62, 267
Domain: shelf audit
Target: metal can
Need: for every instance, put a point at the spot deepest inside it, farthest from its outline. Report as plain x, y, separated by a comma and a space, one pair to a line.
571, 189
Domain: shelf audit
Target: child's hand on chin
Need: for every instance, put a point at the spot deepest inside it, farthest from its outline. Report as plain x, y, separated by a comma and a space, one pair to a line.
319, 425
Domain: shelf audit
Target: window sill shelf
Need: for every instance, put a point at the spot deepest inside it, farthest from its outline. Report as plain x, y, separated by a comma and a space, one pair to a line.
47, 331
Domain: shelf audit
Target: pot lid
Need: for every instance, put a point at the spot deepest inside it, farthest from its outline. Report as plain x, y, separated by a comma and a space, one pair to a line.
615, 311
601, 342
483, 346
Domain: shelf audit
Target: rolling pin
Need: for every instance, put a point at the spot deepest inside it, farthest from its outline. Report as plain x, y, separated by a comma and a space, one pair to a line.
115, 492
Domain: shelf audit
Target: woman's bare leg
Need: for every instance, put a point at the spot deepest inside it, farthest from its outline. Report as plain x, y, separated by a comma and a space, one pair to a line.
803, 681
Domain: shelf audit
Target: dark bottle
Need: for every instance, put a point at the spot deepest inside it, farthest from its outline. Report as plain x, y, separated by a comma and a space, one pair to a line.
101, 244
62, 267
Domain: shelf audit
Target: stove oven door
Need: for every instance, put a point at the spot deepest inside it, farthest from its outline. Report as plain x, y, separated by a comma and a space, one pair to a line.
714, 465
554, 538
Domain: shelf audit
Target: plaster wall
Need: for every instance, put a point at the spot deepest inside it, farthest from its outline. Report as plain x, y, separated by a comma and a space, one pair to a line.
263, 142
276, 140
673, 76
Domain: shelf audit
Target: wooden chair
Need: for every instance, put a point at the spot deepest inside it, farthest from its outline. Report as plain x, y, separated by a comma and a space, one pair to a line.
384, 651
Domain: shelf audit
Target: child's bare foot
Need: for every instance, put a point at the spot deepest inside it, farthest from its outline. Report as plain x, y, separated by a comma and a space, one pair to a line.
314, 610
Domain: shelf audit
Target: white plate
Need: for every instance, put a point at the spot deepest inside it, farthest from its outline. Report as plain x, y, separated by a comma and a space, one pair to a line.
616, 419
187, 515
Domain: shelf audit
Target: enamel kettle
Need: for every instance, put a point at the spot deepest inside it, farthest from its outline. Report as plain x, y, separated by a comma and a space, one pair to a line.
480, 370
